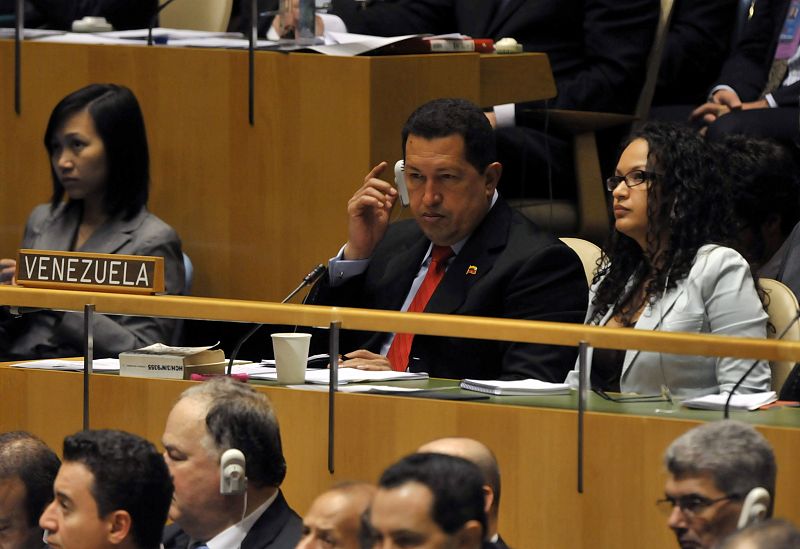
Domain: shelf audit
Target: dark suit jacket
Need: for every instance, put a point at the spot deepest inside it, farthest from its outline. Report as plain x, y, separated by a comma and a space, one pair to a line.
59, 14
697, 44
55, 334
747, 69
597, 48
522, 272
278, 528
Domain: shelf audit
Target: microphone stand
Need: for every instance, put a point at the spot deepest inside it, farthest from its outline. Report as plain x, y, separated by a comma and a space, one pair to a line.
19, 30
310, 278
153, 21
726, 413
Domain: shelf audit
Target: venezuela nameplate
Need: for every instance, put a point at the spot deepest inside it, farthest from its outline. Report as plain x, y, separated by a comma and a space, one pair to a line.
132, 274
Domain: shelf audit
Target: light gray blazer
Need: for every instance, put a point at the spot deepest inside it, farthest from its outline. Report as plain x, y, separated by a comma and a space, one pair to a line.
61, 334
716, 297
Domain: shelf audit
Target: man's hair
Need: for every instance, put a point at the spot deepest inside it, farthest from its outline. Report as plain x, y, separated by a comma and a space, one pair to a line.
736, 456
27, 458
129, 475
239, 417
446, 117
770, 534
455, 483
120, 125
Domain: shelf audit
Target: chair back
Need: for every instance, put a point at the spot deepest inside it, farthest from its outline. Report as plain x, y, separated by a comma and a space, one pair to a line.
207, 15
782, 310
588, 252
654, 61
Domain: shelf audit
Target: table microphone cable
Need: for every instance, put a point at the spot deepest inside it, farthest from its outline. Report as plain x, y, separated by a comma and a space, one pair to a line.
726, 413
310, 278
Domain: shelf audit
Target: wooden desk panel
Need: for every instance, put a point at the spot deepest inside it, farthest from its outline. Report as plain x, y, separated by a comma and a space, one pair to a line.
536, 448
256, 207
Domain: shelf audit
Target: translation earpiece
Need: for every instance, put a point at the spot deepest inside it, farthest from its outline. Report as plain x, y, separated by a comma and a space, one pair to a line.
400, 182
232, 479
754, 508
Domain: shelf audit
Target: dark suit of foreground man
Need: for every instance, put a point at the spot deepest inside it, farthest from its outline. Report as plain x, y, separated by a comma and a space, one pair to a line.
504, 266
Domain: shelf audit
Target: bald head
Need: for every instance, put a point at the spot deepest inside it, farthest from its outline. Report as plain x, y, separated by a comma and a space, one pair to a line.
335, 517
479, 454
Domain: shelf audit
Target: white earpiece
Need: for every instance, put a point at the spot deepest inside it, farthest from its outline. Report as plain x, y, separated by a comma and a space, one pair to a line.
754, 508
232, 479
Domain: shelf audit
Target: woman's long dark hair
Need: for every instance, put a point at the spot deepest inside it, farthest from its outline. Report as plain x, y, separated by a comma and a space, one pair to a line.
687, 207
120, 124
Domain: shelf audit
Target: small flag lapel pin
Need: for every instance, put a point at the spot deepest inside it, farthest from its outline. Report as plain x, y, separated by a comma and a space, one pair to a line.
472, 270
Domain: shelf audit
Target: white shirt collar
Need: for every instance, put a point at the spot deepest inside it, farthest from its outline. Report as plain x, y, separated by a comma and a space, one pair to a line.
233, 536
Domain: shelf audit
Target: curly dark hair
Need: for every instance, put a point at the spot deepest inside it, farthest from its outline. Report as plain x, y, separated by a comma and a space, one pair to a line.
687, 207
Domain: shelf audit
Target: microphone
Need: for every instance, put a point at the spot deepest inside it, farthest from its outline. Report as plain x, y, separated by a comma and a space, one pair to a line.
310, 278
153, 21
753, 366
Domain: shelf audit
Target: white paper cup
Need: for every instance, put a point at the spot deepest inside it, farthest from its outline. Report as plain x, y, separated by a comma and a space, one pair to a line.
291, 357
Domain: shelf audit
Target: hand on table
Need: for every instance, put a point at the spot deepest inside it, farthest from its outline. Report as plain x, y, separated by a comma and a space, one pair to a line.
364, 360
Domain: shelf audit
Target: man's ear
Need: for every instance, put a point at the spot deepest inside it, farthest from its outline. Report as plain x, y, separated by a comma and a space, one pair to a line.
470, 535
488, 496
119, 526
492, 174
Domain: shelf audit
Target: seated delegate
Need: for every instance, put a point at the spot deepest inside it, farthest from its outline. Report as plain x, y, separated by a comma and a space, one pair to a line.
664, 269
491, 261
100, 166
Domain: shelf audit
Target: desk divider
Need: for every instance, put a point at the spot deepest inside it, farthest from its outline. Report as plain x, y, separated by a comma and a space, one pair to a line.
88, 358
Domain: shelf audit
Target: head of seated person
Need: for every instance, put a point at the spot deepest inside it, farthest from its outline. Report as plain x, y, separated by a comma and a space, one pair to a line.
209, 419
336, 517
482, 456
770, 534
450, 168
113, 491
27, 471
762, 176
667, 203
98, 152
666, 267
711, 470
429, 500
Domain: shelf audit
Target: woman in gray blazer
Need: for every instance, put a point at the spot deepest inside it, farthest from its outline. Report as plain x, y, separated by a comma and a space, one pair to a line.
665, 268
100, 167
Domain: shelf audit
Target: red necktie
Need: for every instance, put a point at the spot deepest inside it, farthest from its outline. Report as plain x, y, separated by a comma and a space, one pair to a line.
401, 345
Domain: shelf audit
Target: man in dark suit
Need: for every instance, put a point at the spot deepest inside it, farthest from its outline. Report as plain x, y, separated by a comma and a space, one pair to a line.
207, 423
59, 14
597, 49
479, 454
491, 260
434, 499
742, 99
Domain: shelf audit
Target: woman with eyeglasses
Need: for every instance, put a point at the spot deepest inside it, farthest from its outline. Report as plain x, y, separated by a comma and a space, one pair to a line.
665, 267
97, 147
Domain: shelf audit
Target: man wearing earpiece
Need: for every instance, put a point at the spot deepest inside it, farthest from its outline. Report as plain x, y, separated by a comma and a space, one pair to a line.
215, 432
721, 478
466, 252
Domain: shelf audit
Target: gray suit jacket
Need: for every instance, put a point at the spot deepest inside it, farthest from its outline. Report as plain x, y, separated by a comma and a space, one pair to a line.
716, 297
54, 334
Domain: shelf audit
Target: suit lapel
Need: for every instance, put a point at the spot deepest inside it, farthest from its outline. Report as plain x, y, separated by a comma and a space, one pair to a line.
268, 525
110, 237
652, 319
58, 232
501, 15
400, 271
481, 14
474, 261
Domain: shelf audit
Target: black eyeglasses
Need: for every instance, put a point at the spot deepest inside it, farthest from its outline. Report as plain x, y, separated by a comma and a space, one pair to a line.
692, 504
631, 179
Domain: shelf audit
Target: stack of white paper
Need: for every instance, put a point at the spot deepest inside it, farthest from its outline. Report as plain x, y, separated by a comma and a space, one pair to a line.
752, 401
